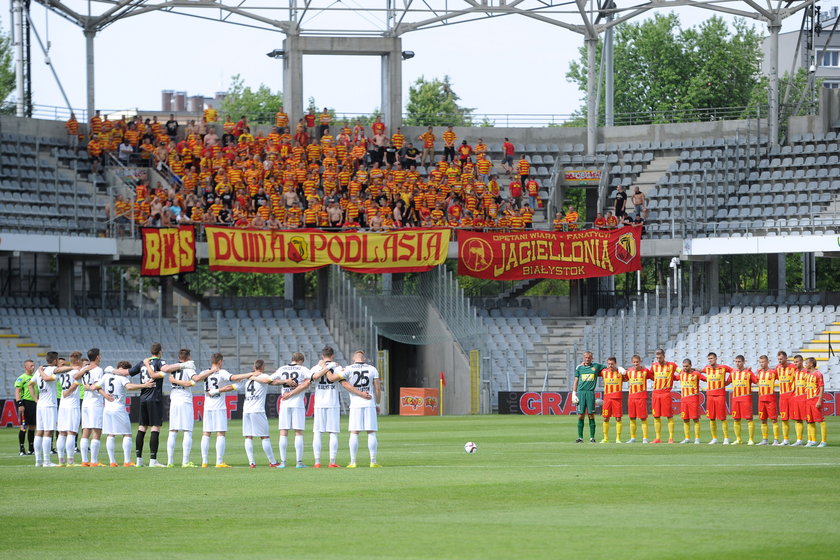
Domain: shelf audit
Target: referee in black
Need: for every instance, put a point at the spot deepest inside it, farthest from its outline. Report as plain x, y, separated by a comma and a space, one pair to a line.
26, 407
151, 402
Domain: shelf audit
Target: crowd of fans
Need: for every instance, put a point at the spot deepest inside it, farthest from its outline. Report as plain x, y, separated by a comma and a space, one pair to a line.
313, 174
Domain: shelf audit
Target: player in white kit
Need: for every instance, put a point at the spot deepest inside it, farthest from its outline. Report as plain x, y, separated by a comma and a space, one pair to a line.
69, 411
115, 421
360, 378
92, 410
327, 409
216, 381
254, 418
295, 380
46, 413
181, 414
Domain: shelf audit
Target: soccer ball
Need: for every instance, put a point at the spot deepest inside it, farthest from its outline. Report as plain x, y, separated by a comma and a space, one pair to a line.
599, 402
470, 447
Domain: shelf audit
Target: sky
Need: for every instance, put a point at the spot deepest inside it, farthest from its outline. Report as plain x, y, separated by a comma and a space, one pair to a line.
502, 66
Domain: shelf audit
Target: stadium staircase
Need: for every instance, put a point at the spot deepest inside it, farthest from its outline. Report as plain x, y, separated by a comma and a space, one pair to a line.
556, 353
823, 346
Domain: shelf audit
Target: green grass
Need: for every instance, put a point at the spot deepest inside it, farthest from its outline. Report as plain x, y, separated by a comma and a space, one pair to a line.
529, 492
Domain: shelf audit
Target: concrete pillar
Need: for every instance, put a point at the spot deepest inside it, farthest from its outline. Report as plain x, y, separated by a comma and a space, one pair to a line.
591, 205
65, 282
167, 295
387, 283
391, 83
289, 287
773, 56
713, 280
293, 78
777, 274
91, 89
323, 287
591, 99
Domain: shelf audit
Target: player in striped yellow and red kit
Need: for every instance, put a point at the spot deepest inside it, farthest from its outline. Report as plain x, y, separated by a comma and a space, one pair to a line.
662, 404
613, 379
637, 399
814, 389
798, 402
767, 408
742, 381
690, 380
786, 375
716, 381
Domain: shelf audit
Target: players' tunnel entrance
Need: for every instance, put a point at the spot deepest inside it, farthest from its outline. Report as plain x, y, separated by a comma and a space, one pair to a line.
403, 369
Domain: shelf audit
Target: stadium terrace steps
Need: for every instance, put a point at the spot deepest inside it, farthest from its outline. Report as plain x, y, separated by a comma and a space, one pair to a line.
555, 353
652, 174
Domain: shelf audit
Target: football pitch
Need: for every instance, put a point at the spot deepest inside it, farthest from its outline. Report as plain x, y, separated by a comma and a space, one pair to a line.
529, 492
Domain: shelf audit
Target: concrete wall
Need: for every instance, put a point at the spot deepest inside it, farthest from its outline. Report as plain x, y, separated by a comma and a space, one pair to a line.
32, 127
448, 358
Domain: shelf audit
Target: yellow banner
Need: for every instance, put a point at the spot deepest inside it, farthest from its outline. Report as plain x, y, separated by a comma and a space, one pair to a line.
252, 250
168, 251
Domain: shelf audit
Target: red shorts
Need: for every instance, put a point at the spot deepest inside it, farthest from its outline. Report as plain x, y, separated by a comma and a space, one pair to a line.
716, 407
767, 408
661, 404
785, 406
690, 407
611, 407
742, 408
798, 407
637, 408
813, 414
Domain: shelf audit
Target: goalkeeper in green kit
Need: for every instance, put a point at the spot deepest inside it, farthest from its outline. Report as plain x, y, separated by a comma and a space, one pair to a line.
583, 394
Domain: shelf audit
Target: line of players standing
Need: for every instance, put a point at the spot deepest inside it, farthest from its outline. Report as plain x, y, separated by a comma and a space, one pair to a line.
103, 407
800, 397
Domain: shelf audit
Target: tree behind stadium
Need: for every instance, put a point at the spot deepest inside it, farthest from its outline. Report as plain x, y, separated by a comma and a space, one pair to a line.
434, 103
7, 74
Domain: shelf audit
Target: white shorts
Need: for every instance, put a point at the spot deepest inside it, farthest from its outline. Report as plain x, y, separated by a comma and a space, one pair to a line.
327, 420
69, 419
46, 417
255, 424
181, 416
214, 421
362, 419
116, 423
92, 417
292, 418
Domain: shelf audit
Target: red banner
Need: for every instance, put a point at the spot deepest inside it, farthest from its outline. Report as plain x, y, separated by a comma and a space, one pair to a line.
168, 251
549, 254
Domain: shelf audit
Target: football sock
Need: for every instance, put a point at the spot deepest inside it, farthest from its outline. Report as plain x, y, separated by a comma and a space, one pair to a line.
61, 447
687, 429
38, 449
154, 443
580, 428
618, 426
316, 446
46, 448
126, 449
31, 440
70, 446
373, 445
786, 429
205, 448
334, 447
606, 427
725, 425
186, 446
170, 447
737, 426
633, 428
141, 438
298, 448
765, 431
812, 431
109, 445
824, 431
657, 427
269, 452
22, 438
220, 449
249, 450
670, 428
283, 444
713, 428
592, 428
645, 428
696, 429
354, 447
84, 445
799, 430
775, 430
751, 428
94, 451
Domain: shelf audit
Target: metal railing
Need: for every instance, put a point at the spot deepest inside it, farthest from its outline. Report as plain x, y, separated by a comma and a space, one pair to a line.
348, 317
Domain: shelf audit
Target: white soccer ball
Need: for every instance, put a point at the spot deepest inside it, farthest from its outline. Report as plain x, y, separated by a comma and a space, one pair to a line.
599, 402
470, 447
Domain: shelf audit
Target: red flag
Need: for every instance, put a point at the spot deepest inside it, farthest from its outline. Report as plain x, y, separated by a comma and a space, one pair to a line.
442, 379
